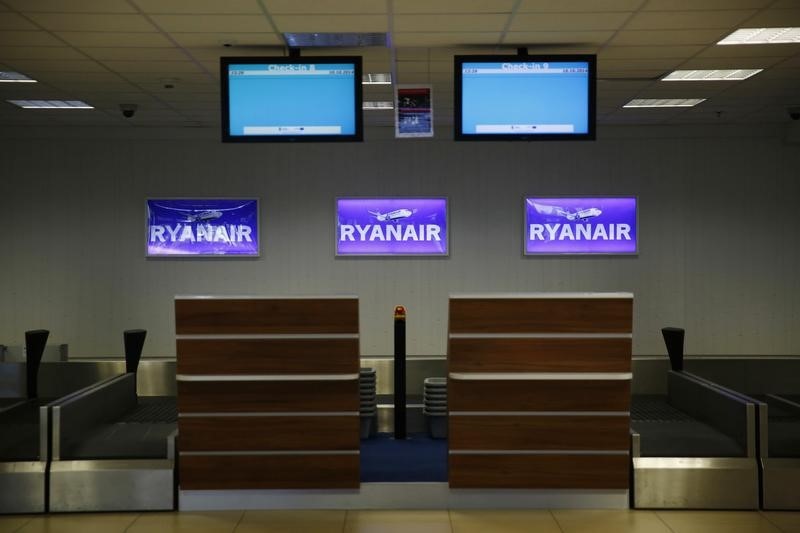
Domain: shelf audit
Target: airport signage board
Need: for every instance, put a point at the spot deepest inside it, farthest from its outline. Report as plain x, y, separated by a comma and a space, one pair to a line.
204, 227
580, 225
391, 226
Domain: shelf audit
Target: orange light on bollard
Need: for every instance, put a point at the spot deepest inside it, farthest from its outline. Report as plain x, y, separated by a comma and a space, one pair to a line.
399, 312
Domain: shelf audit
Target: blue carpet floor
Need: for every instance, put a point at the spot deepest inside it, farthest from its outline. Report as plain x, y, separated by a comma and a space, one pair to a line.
418, 458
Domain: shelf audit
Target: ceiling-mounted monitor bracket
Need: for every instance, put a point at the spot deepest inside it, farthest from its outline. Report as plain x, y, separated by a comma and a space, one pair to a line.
523, 51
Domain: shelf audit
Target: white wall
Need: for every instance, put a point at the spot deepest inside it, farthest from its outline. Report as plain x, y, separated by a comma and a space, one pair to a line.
718, 250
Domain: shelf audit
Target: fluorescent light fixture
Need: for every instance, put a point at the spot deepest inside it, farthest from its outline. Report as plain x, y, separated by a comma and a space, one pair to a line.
15, 77
712, 75
377, 106
763, 36
51, 104
664, 102
380, 78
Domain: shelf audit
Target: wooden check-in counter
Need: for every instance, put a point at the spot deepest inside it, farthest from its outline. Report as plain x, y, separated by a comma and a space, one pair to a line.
267, 393
539, 391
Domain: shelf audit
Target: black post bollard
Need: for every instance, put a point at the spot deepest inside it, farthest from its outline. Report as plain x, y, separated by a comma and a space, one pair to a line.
35, 341
134, 342
399, 372
673, 338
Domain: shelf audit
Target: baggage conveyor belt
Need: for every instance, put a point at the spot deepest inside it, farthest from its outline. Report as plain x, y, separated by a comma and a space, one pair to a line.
140, 434
669, 432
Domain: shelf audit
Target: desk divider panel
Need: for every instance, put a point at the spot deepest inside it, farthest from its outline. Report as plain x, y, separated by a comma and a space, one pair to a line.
267, 392
539, 391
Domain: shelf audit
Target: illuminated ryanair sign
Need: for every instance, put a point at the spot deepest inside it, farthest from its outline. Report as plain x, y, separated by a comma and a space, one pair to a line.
202, 227
391, 226
572, 225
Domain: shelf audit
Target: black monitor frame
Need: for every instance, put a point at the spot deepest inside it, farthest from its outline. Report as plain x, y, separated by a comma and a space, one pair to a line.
592, 107
358, 136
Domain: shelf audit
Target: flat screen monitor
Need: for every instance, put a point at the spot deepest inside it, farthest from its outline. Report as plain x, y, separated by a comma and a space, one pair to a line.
525, 97
291, 99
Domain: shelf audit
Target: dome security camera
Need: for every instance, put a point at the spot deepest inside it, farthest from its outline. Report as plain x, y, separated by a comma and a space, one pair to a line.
128, 110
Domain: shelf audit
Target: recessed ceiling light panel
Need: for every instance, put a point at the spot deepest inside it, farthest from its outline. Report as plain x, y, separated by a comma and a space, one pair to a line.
51, 104
378, 78
15, 77
763, 36
712, 75
377, 106
664, 102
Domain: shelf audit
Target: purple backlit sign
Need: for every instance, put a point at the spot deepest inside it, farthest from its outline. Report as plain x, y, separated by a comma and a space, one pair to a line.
391, 226
202, 227
571, 225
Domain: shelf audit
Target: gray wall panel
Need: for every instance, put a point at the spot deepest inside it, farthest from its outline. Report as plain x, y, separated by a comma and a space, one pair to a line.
718, 252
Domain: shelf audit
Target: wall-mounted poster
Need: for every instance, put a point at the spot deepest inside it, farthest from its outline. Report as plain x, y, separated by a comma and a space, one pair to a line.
391, 226
573, 225
413, 111
206, 227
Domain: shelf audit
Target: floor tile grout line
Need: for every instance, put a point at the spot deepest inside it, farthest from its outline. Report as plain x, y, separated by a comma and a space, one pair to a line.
241, 517
658, 515
344, 522
138, 516
450, 520
558, 524
776, 526
28, 521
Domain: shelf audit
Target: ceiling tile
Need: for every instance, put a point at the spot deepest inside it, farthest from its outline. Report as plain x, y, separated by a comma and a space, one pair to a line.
453, 6
71, 6
446, 54
39, 52
649, 52
13, 21
578, 38
136, 54
568, 21
92, 22
177, 68
416, 39
688, 5
729, 62
216, 40
114, 39
751, 50
336, 7
572, 6
775, 18
664, 65
28, 38
212, 23
667, 37
229, 7
36, 66
686, 20
330, 23
461, 23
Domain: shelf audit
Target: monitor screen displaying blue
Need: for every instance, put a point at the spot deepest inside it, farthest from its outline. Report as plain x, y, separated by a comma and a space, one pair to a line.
291, 98
525, 97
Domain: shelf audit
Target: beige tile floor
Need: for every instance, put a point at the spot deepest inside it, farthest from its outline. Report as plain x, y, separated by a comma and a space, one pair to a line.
539, 521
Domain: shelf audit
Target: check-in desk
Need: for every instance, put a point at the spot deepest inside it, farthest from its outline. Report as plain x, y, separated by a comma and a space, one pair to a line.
268, 395
539, 395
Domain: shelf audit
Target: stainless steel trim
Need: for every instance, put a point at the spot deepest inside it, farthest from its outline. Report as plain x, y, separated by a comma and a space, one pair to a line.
542, 376
263, 414
636, 444
542, 295
538, 452
249, 336
541, 335
785, 402
540, 413
751, 429
298, 452
267, 377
